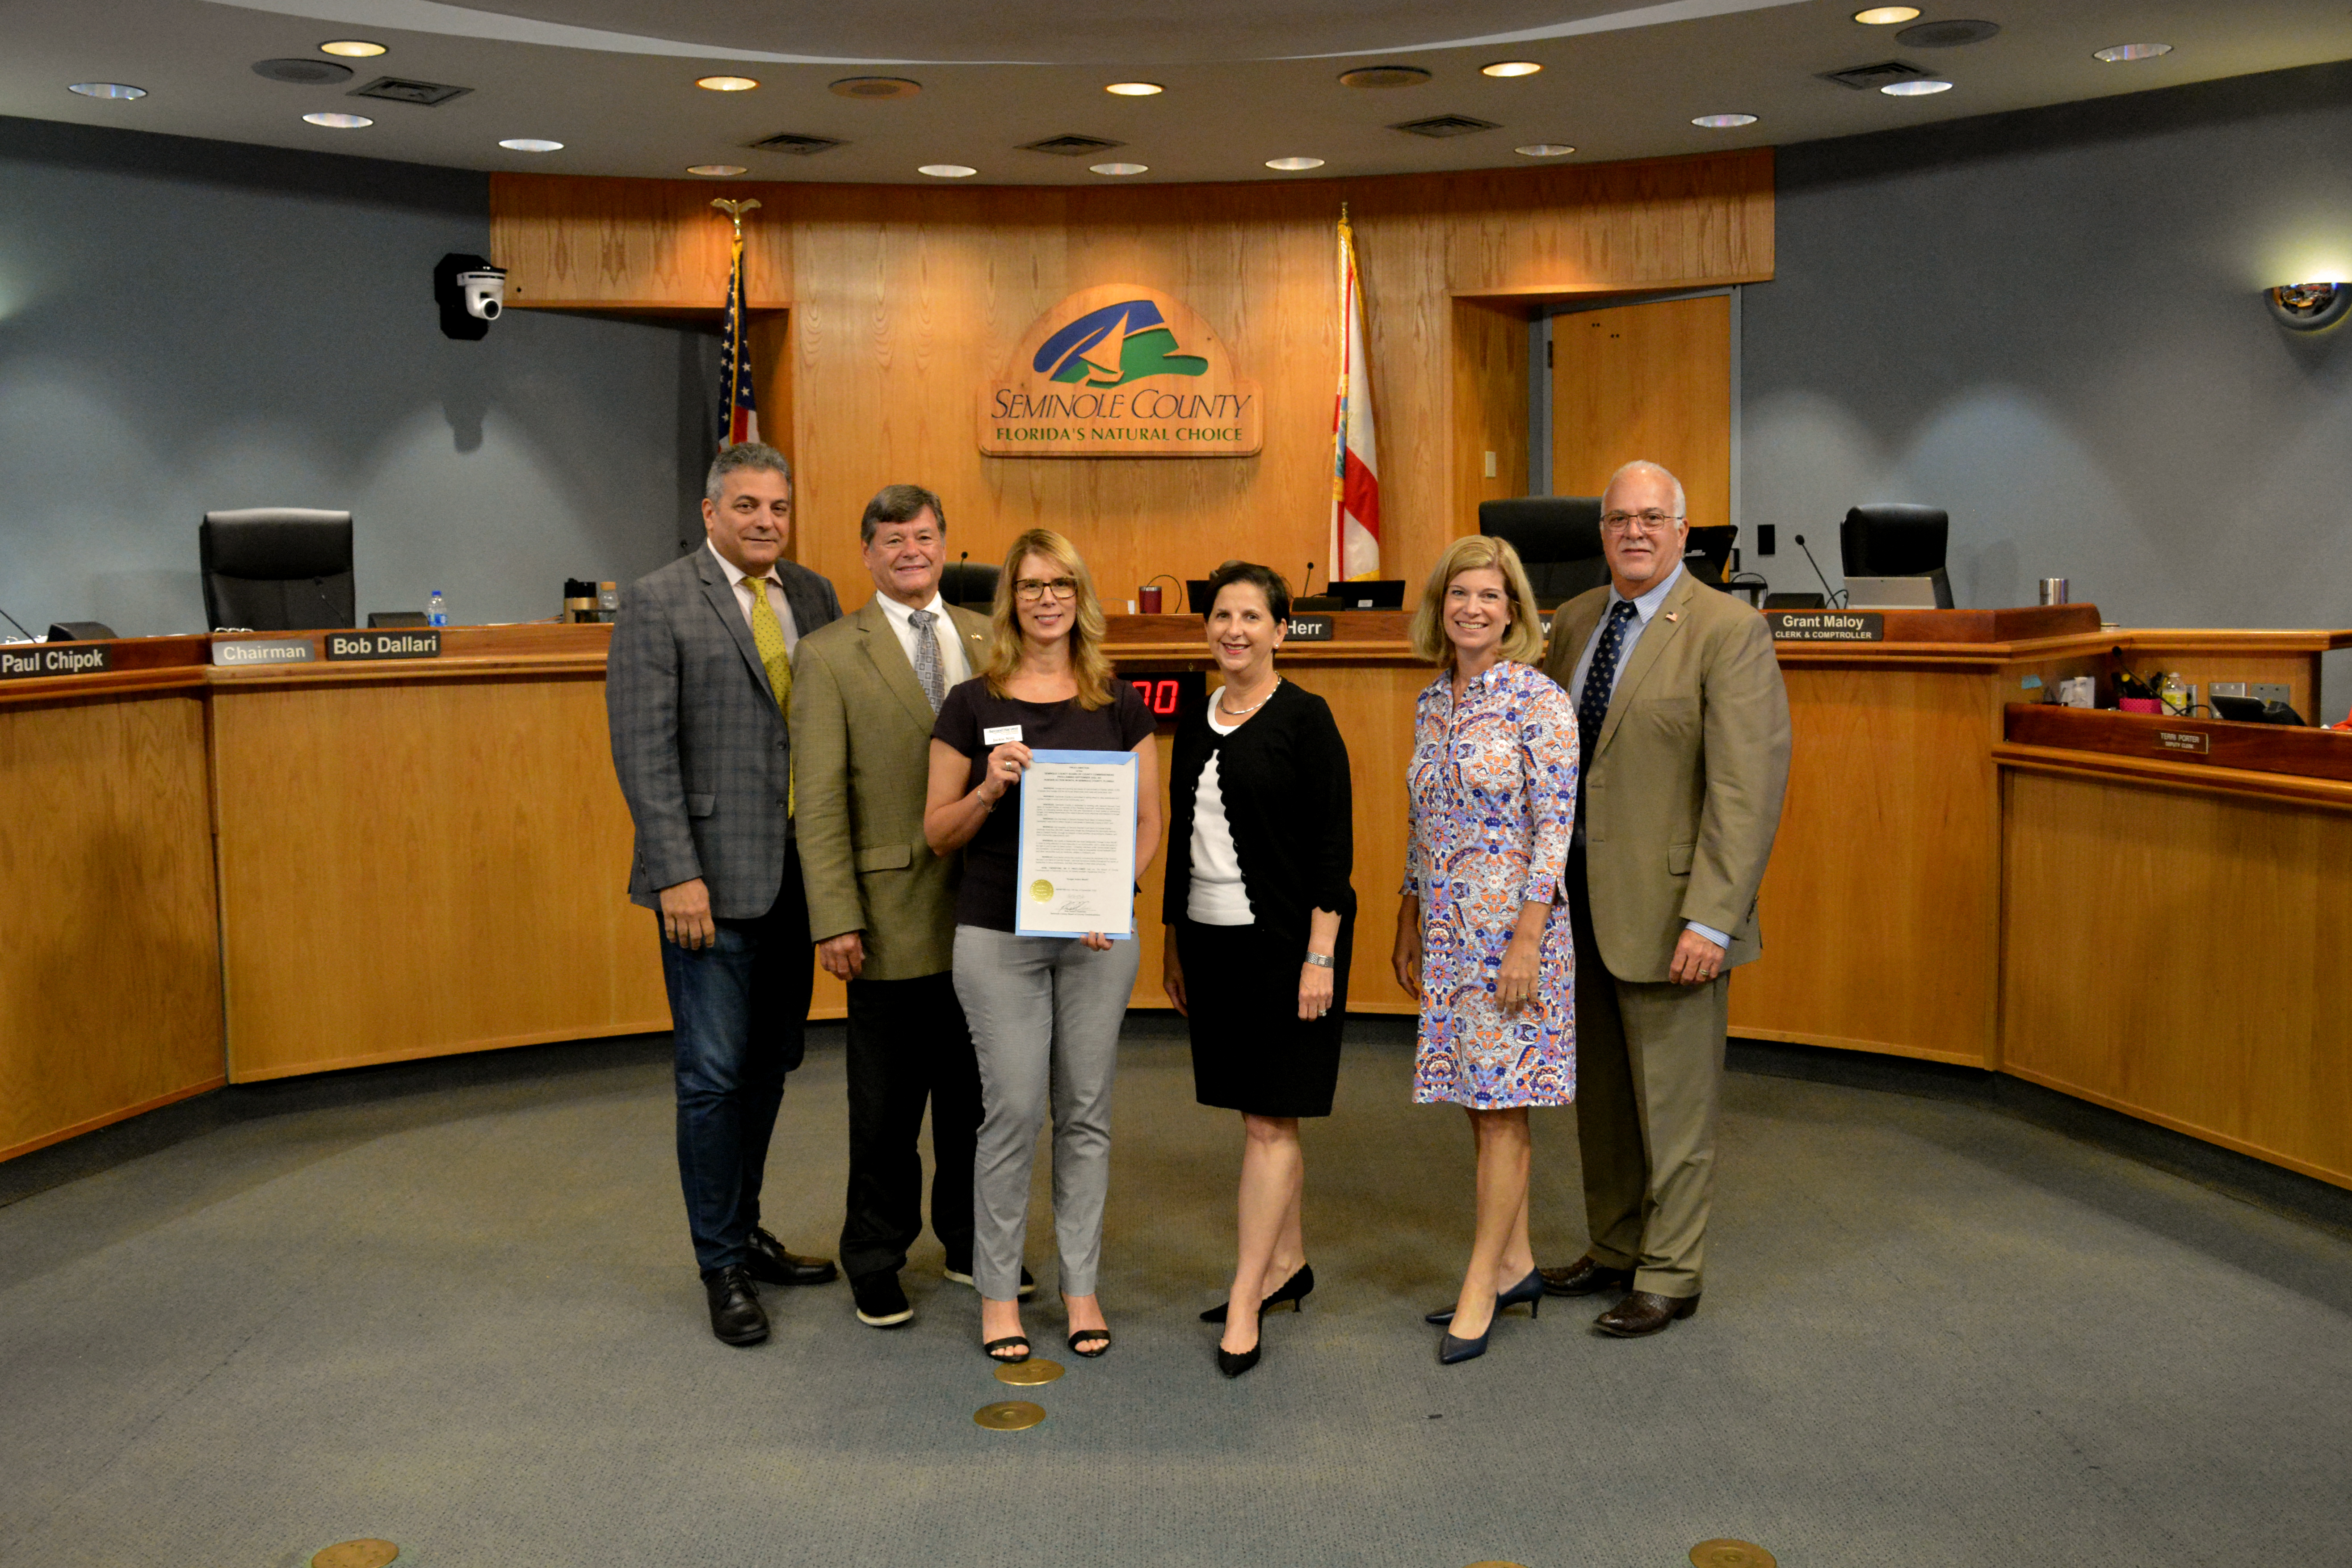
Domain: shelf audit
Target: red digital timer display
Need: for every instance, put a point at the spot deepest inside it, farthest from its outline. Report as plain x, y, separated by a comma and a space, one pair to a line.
1170, 695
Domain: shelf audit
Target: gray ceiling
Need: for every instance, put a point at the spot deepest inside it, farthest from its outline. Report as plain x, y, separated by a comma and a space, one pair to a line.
1246, 80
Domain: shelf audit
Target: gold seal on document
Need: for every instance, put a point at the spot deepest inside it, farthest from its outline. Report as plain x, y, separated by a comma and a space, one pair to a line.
1009, 1415
356, 1554
1041, 889
1732, 1554
1028, 1374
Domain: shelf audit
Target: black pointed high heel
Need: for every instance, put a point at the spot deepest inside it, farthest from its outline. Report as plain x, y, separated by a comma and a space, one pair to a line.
1294, 1290
1530, 1290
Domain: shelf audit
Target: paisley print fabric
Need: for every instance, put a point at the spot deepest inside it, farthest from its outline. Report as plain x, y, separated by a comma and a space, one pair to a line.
1492, 795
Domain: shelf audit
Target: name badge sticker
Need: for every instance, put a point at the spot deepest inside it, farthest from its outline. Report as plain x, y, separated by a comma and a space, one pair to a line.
1000, 735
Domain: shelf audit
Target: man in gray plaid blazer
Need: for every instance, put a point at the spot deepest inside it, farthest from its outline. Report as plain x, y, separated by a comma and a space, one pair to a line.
697, 688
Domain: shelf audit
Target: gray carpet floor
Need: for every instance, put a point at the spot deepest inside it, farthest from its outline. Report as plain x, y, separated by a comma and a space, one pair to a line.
463, 1317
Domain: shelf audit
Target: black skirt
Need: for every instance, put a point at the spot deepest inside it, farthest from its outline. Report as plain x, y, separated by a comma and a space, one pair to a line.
1251, 1050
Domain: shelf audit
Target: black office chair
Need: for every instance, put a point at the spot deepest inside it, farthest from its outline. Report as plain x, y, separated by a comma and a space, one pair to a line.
1557, 539
1892, 540
278, 569
969, 585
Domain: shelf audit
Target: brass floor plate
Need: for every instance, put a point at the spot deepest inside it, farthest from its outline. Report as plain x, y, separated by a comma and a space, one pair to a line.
1028, 1374
1732, 1554
1009, 1415
356, 1554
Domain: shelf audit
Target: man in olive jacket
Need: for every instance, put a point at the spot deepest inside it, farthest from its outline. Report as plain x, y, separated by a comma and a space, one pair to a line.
881, 905
1683, 727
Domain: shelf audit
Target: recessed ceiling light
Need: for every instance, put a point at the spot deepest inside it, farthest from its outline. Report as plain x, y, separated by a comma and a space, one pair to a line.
1723, 121
1292, 165
727, 83
947, 171
1544, 149
1915, 89
876, 86
2121, 54
352, 48
1384, 76
107, 89
340, 121
1887, 15
1120, 168
1136, 89
1510, 68
530, 144
714, 169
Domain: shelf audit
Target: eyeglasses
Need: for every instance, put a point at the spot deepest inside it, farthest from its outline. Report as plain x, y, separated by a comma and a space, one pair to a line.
1623, 521
1029, 590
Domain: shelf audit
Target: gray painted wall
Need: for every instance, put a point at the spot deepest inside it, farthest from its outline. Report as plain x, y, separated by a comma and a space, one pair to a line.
2050, 324
189, 325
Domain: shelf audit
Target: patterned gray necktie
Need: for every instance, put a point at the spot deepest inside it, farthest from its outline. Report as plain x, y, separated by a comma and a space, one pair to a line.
926, 658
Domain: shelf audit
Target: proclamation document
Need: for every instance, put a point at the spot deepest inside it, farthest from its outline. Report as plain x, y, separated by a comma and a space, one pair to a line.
1076, 865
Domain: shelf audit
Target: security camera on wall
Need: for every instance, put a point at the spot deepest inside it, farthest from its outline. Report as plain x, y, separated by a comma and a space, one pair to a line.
471, 293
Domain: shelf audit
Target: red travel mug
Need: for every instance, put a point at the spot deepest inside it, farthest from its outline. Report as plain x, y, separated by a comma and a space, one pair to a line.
1148, 596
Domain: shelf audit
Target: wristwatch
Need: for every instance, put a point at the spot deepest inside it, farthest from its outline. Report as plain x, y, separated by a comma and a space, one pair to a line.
1322, 960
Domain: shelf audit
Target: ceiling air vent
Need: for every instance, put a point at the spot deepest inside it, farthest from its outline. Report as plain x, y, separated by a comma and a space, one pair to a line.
1070, 146
1946, 35
1862, 79
1445, 125
804, 145
303, 73
399, 89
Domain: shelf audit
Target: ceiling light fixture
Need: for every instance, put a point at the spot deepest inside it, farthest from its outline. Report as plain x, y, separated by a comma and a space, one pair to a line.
876, 87
2123, 54
1510, 68
1915, 89
1136, 89
1723, 121
714, 170
1120, 168
340, 121
120, 90
530, 144
2310, 307
726, 83
948, 170
352, 48
1544, 149
1292, 165
1887, 15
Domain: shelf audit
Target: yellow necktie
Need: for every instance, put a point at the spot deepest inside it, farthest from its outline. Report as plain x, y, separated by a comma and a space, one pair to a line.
767, 636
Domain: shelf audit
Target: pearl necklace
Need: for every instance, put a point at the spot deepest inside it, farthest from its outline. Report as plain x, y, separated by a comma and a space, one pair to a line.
1252, 708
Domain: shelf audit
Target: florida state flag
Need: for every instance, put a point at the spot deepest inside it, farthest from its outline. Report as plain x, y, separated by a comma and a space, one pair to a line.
1355, 467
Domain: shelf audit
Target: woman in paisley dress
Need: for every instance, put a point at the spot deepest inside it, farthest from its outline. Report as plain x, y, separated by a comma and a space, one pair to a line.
1483, 936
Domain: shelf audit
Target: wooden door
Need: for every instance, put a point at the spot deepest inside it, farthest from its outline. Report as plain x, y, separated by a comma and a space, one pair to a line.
1645, 381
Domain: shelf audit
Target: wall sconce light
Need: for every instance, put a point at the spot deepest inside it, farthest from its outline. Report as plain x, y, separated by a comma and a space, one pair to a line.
2309, 307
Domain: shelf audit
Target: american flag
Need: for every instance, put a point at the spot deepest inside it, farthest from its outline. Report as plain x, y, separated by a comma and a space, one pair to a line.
739, 416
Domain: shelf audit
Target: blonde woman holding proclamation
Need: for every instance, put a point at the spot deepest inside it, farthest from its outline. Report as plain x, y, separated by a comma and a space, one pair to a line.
1483, 935
1044, 1011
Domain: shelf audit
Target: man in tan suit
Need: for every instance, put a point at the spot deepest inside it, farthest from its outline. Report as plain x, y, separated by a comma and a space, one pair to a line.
1683, 724
881, 905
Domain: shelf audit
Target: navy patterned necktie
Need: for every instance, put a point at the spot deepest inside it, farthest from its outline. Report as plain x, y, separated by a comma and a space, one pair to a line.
1600, 680
926, 658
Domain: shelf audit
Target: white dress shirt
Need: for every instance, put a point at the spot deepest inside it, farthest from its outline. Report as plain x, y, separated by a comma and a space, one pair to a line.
1645, 609
953, 669
1216, 897
776, 601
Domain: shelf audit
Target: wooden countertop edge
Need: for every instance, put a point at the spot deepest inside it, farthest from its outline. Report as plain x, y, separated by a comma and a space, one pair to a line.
360, 671
83, 688
2290, 787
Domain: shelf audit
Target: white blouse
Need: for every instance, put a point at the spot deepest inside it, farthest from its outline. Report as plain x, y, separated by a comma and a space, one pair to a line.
1217, 897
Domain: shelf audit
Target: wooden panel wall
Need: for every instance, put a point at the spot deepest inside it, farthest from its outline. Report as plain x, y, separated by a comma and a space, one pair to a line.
109, 975
1645, 381
2180, 954
1490, 403
905, 300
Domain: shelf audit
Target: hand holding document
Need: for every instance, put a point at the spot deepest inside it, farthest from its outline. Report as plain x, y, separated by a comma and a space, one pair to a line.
1077, 866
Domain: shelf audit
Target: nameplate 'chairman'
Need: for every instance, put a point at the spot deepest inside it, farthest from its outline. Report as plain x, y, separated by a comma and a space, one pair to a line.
1121, 372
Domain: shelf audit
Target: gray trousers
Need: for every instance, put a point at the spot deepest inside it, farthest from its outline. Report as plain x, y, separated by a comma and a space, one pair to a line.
1044, 1015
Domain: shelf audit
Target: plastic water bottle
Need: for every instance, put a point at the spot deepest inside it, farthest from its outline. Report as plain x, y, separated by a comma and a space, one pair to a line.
436, 611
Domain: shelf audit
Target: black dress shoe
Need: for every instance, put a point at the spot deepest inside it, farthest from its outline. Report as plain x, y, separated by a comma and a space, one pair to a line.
881, 1304
736, 1315
769, 1261
1644, 1312
1586, 1278
963, 1276
1294, 1290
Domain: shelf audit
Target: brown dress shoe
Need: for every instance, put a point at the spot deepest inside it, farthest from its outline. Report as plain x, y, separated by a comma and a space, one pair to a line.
1585, 1277
1644, 1312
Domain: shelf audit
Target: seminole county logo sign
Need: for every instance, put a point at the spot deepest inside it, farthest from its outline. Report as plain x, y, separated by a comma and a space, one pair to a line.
1120, 371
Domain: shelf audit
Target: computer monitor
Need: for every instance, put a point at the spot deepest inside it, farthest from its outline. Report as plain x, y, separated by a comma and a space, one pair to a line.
1892, 540
1706, 553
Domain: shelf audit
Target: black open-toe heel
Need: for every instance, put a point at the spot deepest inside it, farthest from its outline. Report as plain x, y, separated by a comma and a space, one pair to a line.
992, 1346
1077, 1349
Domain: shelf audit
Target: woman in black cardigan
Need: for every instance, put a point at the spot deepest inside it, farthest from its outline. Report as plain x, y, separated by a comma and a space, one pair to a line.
1260, 915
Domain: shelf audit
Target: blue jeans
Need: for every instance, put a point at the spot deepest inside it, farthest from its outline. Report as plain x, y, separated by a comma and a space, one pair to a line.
739, 1012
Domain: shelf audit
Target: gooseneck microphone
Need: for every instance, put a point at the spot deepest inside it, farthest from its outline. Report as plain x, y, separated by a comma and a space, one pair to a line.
1307, 584
20, 625
963, 581
1834, 598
